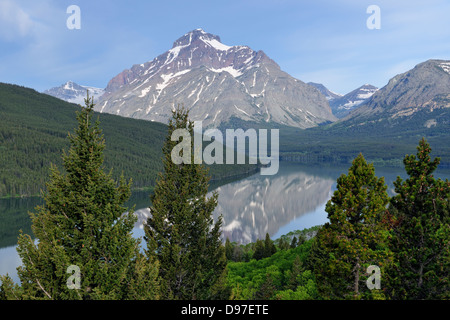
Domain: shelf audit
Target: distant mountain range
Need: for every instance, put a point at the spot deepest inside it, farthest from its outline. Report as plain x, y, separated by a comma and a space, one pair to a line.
343, 105
75, 93
425, 88
223, 84
384, 127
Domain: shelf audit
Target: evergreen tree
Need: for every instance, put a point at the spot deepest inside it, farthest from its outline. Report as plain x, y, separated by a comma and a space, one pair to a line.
283, 244
301, 240
269, 247
260, 251
353, 239
294, 242
293, 274
228, 249
266, 289
181, 232
237, 254
84, 248
421, 238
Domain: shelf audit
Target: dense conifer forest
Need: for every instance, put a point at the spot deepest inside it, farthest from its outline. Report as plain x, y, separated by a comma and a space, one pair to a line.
33, 133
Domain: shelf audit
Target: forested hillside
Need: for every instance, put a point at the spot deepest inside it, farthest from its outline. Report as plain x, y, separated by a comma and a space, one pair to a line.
33, 133
382, 141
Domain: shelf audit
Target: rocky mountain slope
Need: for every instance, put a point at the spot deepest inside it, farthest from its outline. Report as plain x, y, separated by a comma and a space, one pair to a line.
217, 83
425, 88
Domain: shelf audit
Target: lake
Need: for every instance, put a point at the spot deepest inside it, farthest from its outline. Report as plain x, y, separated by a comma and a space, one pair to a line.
293, 199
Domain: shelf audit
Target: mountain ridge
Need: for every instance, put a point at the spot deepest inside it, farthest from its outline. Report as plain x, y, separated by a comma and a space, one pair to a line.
407, 93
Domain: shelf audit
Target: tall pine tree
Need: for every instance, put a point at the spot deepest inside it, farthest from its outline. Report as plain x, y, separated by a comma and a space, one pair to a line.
355, 236
421, 239
180, 231
84, 247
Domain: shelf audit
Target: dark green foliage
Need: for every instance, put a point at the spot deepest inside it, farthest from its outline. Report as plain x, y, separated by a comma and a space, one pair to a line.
15, 217
355, 236
260, 251
181, 232
293, 274
263, 249
293, 242
83, 223
33, 131
266, 289
421, 237
228, 249
269, 247
283, 243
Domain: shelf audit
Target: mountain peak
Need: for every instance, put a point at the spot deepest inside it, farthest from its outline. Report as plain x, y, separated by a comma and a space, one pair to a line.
217, 83
70, 85
73, 92
199, 34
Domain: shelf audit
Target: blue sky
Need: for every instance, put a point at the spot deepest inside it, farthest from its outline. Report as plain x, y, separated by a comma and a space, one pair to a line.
324, 41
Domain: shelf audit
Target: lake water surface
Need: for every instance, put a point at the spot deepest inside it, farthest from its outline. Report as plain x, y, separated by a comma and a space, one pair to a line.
293, 199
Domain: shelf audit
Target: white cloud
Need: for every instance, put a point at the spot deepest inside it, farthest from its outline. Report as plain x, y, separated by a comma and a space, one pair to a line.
14, 21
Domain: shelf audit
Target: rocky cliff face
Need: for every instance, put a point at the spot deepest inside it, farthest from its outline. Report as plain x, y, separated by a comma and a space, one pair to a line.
217, 83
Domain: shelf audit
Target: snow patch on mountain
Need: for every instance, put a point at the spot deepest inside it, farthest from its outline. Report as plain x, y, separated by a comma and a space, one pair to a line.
343, 105
445, 66
231, 70
216, 44
168, 77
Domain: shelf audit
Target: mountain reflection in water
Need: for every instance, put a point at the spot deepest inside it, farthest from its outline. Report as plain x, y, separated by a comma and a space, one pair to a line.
260, 204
